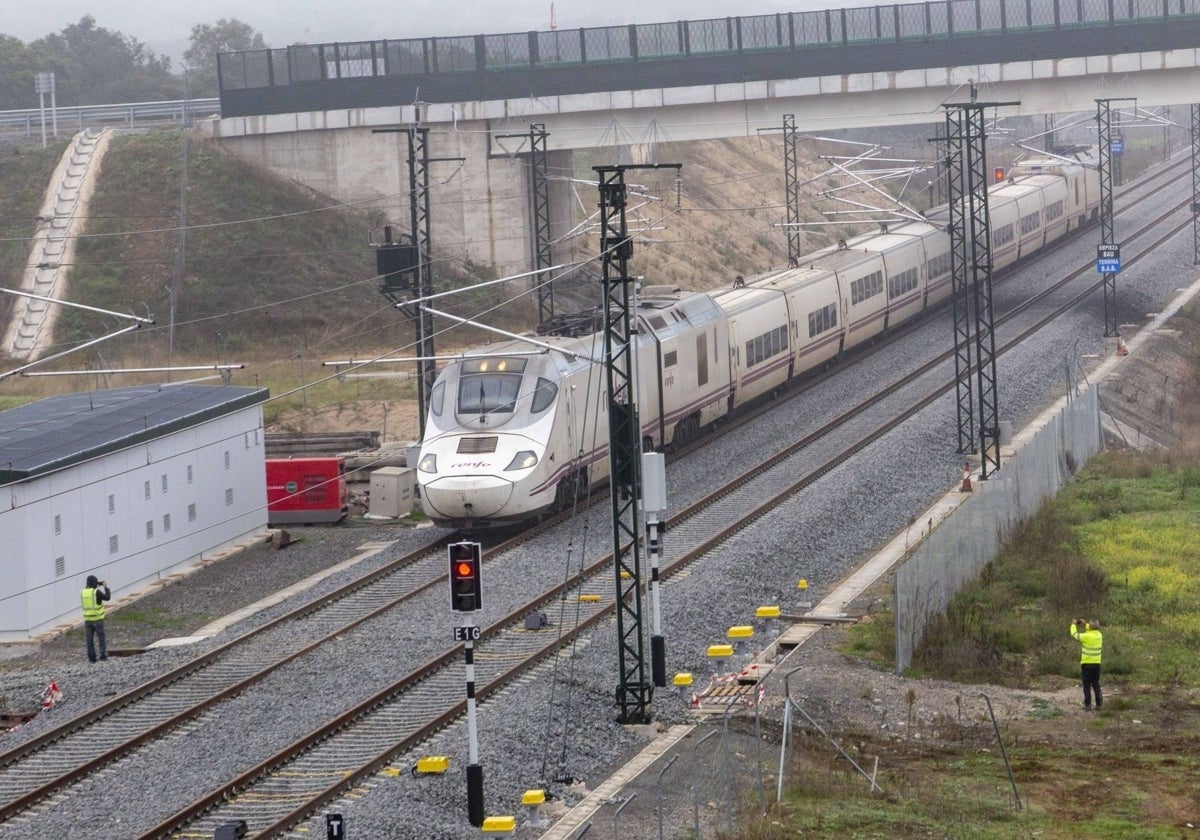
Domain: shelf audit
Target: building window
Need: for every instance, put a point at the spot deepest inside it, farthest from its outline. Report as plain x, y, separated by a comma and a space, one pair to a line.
192, 512
164, 482
149, 529
166, 522
112, 503
189, 474
114, 544
228, 496
147, 489
57, 524
226, 459
60, 566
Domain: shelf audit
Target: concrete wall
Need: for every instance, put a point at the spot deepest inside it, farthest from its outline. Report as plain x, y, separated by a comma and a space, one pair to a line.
480, 206
131, 518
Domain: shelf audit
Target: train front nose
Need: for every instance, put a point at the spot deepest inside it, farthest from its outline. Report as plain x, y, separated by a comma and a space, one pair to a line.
467, 497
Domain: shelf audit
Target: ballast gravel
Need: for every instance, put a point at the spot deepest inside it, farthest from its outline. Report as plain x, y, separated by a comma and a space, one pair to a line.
555, 727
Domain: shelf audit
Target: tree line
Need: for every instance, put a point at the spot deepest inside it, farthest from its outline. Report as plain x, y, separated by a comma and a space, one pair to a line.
96, 66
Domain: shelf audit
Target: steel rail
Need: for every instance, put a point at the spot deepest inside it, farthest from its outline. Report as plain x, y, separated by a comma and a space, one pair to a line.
201, 816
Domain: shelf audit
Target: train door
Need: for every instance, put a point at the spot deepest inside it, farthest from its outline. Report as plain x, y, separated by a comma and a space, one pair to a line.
735, 366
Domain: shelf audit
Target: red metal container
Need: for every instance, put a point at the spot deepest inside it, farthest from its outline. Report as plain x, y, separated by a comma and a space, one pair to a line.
302, 491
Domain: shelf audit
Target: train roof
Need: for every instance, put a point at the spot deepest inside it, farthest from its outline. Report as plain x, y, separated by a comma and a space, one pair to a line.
665, 310
841, 258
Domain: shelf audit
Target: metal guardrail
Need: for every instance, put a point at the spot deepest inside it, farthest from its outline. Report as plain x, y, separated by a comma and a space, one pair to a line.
941, 20
72, 118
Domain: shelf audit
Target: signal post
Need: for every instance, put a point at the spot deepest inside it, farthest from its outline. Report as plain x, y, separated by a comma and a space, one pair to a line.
466, 596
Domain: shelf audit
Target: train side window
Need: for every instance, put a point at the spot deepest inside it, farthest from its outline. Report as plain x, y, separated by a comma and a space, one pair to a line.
670, 358
543, 395
436, 398
702, 359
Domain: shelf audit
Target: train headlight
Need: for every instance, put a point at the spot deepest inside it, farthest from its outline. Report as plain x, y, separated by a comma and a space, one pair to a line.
523, 460
428, 463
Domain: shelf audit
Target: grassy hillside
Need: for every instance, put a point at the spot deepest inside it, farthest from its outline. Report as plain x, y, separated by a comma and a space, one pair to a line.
24, 173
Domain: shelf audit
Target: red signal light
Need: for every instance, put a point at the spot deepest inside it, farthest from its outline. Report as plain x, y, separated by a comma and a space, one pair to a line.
466, 587
999, 174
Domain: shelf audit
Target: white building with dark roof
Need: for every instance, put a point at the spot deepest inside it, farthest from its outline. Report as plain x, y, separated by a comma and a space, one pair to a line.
129, 484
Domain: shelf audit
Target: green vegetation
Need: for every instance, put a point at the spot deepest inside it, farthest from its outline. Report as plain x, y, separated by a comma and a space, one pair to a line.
1119, 544
24, 173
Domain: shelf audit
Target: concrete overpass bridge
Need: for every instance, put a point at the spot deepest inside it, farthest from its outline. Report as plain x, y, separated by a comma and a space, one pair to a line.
309, 111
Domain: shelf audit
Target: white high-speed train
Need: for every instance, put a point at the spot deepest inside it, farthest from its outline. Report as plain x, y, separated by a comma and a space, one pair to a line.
515, 430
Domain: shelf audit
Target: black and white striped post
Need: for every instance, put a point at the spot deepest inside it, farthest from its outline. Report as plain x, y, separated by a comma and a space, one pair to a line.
474, 768
466, 596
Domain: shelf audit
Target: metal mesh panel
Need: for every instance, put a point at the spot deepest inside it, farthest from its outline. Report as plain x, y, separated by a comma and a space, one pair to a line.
762, 32
971, 536
1180, 8
453, 54
1141, 8
860, 24
1041, 14
406, 58
1016, 14
356, 60
233, 70
912, 20
511, 50
304, 63
699, 789
810, 28
962, 16
559, 47
885, 22
939, 18
708, 36
1094, 11
990, 15
1068, 11
656, 40
279, 63
607, 43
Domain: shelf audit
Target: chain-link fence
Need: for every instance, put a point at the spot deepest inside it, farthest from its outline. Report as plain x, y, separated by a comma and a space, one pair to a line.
972, 535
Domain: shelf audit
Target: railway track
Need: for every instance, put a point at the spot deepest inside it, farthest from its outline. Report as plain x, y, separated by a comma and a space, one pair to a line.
404, 713
329, 761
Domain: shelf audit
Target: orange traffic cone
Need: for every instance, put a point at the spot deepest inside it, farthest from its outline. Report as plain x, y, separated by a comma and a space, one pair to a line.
966, 485
1121, 349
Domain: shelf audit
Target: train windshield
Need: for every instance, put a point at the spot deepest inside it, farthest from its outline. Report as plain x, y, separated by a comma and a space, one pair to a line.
488, 386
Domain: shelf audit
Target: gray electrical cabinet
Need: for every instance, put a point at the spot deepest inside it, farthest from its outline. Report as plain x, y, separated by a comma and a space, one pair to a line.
392, 491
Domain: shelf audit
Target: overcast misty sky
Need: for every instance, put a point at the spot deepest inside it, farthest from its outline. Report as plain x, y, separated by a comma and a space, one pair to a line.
165, 26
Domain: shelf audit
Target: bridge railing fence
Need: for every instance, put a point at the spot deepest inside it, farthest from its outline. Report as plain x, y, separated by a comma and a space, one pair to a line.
680, 39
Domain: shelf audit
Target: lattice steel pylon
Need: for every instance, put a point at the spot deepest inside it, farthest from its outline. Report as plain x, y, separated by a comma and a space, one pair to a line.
1105, 152
418, 204
1196, 184
791, 188
634, 691
965, 130
543, 251
960, 275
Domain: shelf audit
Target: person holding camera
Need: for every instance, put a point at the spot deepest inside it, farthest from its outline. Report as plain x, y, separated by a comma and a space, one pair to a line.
93, 597
1090, 646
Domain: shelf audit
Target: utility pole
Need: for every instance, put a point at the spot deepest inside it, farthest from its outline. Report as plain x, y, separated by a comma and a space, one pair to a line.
539, 202
967, 141
417, 274
1196, 184
1108, 146
634, 691
791, 184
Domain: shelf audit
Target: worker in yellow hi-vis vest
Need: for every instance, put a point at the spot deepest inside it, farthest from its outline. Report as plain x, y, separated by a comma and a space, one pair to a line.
93, 596
1091, 643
